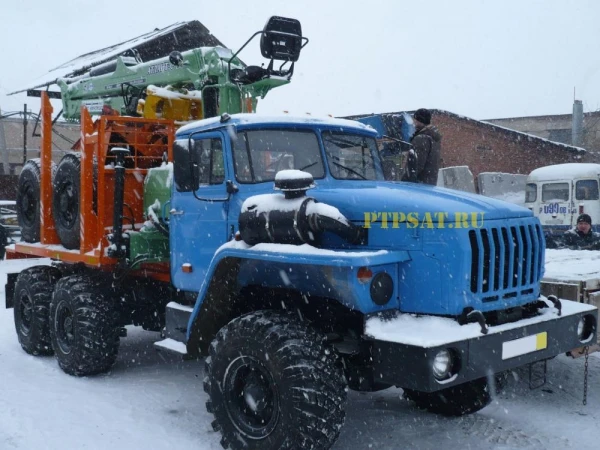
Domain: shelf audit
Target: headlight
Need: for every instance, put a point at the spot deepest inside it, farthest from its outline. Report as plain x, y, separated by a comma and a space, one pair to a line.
585, 328
442, 365
382, 288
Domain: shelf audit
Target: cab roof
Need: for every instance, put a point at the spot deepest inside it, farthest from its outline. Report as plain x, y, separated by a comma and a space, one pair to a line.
284, 120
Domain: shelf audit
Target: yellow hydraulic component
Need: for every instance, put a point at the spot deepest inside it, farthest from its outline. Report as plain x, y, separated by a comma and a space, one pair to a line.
162, 103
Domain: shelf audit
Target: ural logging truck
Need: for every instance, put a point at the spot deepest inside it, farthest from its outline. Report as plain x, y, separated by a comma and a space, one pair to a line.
274, 248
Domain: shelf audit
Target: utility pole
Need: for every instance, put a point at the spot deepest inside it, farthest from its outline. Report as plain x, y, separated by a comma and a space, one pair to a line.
24, 134
3, 148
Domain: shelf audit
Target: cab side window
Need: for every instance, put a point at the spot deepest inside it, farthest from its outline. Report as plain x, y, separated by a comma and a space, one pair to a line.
208, 161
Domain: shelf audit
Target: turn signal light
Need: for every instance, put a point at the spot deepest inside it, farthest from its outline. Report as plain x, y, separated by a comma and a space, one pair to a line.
364, 275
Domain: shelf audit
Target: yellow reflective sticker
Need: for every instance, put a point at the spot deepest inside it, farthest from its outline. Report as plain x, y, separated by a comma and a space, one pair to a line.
541, 341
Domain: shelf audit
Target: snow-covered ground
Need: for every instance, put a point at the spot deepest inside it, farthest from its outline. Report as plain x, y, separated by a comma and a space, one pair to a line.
572, 265
152, 400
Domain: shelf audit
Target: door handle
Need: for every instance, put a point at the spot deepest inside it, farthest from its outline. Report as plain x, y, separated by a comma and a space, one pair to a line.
175, 212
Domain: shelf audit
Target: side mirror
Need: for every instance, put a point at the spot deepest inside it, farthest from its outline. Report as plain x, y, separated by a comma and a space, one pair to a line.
281, 39
232, 188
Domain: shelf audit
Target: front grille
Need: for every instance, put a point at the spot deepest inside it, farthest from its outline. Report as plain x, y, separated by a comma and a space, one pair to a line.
505, 258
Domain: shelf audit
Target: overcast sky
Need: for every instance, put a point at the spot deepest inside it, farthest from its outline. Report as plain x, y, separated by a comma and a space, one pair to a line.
482, 59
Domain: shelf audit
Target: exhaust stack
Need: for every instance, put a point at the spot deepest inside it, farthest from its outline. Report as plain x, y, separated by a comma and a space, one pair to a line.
577, 131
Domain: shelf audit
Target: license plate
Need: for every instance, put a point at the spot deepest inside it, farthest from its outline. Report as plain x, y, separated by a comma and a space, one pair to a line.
522, 346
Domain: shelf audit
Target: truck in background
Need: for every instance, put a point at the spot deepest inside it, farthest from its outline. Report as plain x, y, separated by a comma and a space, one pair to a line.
558, 194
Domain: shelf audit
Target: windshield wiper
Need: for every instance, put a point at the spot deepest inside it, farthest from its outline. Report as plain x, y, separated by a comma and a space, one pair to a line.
349, 170
308, 165
341, 143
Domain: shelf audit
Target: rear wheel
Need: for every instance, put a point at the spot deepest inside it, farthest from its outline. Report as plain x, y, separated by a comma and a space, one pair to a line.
83, 325
274, 383
460, 400
3, 241
28, 200
33, 292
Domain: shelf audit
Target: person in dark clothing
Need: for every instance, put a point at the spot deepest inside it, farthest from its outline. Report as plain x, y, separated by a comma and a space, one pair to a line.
423, 162
581, 237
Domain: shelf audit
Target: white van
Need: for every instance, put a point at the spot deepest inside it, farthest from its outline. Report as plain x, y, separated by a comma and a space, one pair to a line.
558, 194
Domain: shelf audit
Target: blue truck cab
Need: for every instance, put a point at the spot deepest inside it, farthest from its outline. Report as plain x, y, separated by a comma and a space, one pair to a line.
303, 271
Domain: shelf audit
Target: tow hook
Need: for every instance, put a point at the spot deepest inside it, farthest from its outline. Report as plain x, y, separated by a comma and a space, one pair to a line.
473, 316
556, 302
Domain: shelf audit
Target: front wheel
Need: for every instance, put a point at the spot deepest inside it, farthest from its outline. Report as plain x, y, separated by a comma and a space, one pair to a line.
459, 400
273, 383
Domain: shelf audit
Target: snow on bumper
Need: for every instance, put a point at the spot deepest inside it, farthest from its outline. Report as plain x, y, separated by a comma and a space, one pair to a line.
405, 346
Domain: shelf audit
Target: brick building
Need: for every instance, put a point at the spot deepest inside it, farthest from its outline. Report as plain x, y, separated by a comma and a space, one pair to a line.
487, 147
559, 128
12, 142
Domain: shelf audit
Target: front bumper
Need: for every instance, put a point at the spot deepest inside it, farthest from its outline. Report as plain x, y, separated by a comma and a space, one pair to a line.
406, 360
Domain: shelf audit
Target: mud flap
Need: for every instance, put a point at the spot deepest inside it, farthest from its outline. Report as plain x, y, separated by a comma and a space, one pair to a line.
9, 289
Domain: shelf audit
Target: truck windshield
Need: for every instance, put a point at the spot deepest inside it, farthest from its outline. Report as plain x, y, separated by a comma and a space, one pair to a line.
259, 154
351, 157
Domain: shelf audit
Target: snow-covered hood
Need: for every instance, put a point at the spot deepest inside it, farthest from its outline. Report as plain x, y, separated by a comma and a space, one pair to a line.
407, 198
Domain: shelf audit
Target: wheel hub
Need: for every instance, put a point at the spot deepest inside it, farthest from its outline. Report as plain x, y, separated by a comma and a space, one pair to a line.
27, 205
26, 314
64, 327
251, 397
67, 205
255, 397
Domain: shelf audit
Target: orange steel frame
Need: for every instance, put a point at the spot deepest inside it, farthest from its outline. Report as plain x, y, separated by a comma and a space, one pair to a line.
147, 140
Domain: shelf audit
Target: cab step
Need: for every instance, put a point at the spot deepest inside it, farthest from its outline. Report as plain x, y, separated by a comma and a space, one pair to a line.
176, 321
175, 332
172, 346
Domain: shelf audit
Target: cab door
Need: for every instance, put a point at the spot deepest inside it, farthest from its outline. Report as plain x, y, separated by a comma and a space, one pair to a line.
199, 207
556, 205
587, 199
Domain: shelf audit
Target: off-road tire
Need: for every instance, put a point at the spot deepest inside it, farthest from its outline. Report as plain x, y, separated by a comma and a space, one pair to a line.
33, 293
304, 380
28, 200
83, 325
3, 241
460, 400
